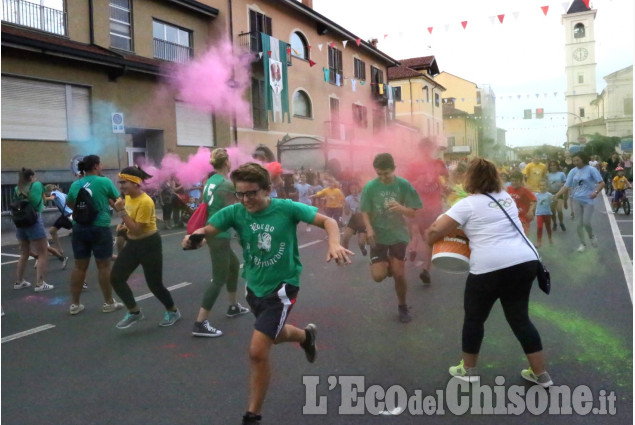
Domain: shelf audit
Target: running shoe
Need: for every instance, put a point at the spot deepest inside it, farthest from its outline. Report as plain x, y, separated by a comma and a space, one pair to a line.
308, 345
544, 380
236, 310
425, 277
594, 241
170, 318
562, 227
76, 309
205, 329
43, 287
129, 319
466, 375
64, 262
251, 419
21, 285
109, 308
581, 248
404, 315
84, 286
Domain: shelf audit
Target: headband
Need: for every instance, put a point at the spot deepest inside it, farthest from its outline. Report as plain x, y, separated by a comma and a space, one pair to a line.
130, 178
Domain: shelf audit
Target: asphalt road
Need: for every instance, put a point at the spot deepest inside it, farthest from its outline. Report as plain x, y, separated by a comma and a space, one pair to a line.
82, 370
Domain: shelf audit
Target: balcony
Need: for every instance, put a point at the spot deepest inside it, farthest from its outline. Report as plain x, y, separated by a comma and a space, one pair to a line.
171, 51
381, 98
27, 14
252, 42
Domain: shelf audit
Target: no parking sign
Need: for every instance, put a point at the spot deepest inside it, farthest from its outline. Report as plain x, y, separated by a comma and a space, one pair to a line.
117, 122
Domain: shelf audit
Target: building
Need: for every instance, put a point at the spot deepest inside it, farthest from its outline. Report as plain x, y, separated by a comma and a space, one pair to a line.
461, 129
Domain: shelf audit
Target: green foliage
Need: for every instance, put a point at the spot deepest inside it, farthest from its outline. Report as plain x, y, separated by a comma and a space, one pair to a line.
600, 145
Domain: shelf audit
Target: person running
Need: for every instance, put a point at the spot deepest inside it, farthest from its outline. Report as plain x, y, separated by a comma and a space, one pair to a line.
304, 190
334, 200
544, 200
585, 183
620, 184
33, 236
54, 252
267, 233
217, 194
535, 172
556, 179
55, 194
525, 200
355, 224
143, 248
386, 201
94, 238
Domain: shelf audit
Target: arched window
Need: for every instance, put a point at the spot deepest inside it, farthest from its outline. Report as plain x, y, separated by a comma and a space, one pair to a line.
578, 31
299, 46
301, 104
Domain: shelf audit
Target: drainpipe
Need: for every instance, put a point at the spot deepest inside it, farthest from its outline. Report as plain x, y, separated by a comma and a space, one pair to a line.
90, 22
231, 40
412, 118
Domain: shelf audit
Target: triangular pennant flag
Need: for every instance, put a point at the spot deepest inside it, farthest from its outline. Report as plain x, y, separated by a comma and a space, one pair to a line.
586, 3
516, 14
289, 51
385, 35
464, 23
545, 95
555, 94
446, 27
358, 41
260, 55
565, 6
332, 44
344, 43
320, 47
269, 53
430, 30
537, 95
501, 17
545, 9
492, 19
311, 63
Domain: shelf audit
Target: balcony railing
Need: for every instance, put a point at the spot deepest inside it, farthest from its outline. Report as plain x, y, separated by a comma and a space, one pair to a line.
171, 51
381, 98
252, 42
21, 12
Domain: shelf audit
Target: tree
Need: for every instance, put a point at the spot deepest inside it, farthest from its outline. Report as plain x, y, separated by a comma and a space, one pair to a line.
604, 146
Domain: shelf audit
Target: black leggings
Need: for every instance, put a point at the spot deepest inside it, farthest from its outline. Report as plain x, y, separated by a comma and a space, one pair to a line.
512, 285
149, 253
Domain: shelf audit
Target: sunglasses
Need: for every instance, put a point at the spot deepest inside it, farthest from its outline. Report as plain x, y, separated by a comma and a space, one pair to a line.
250, 194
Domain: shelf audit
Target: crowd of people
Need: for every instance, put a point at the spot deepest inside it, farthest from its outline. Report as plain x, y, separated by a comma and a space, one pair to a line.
396, 216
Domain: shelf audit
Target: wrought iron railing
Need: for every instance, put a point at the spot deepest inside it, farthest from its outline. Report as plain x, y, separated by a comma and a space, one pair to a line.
171, 51
8, 195
252, 42
21, 12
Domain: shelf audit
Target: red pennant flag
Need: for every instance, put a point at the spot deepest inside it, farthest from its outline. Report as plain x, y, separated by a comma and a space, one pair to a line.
385, 35
430, 30
358, 41
269, 53
545, 9
501, 17
311, 63
288, 50
464, 23
332, 44
586, 2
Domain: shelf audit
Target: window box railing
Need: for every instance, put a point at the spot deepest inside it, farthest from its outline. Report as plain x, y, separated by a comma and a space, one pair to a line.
252, 42
27, 14
171, 51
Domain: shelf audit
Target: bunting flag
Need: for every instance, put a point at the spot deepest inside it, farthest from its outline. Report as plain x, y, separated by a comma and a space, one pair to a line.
289, 51
464, 23
327, 73
586, 3
565, 6
430, 30
545, 9
516, 15
320, 47
344, 43
358, 41
311, 63
354, 84
501, 17
260, 55
332, 44
385, 35
275, 67
446, 27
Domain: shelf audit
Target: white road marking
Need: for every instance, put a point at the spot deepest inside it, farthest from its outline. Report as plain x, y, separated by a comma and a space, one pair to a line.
10, 255
625, 259
169, 288
9, 262
310, 243
26, 333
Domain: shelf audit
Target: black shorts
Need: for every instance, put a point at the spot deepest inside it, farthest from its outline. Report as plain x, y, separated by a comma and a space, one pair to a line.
272, 310
356, 223
63, 222
380, 252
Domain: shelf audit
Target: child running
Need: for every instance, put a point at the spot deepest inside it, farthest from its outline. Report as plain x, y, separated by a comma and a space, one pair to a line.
556, 179
143, 248
356, 222
267, 233
544, 200
525, 200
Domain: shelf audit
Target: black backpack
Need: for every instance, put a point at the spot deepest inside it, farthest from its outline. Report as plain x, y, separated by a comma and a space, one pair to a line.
22, 212
85, 211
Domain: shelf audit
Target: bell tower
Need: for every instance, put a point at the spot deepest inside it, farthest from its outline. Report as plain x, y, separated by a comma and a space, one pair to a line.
580, 62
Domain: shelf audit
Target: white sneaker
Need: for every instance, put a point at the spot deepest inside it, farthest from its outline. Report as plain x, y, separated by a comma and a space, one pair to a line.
64, 263
109, 308
594, 241
21, 285
76, 309
43, 287
581, 248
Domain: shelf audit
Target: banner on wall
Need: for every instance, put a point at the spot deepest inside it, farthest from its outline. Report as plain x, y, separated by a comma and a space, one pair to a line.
276, 87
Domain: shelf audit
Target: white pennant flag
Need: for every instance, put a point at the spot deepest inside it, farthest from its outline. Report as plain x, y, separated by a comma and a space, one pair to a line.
344, 43
447, 27
260, 55
320, 47
565, 6
516, 15
492, 20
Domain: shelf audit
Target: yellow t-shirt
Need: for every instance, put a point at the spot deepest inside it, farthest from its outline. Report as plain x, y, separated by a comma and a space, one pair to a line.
619, 183
535, 173
334, 197
141, 210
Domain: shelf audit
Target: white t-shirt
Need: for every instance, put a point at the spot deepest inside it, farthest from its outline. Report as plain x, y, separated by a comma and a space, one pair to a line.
494, 242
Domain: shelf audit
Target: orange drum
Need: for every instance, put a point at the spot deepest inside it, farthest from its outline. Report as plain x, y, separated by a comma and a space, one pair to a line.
452, 253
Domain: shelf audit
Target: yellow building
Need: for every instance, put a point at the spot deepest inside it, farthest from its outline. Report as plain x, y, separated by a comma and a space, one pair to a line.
461, 130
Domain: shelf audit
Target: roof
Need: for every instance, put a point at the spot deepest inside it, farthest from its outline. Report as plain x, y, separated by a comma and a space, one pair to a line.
429, 63
197, 6
398, 72
591, 123
450, 110
578, 6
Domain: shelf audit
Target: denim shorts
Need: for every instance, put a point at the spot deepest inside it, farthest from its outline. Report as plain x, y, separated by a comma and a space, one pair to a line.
87, 240
32, 233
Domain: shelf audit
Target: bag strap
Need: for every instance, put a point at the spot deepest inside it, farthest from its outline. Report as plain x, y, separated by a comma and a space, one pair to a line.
514, 224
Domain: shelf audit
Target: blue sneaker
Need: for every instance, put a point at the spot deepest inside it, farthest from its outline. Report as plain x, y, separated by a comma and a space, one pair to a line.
129, 319
170, 318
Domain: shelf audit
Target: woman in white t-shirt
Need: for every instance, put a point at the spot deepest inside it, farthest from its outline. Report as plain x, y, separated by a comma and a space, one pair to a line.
502, 266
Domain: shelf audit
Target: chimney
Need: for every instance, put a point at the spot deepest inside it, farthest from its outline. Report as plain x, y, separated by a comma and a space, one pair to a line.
308, 3
373, 42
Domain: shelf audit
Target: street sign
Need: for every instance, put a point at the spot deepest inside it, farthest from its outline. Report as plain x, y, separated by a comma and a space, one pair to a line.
117, 122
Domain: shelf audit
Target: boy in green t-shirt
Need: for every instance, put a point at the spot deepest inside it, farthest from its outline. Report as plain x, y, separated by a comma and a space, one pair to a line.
267, 233
385, 201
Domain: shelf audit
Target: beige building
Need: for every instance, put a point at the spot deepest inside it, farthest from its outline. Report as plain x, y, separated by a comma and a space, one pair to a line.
461, 129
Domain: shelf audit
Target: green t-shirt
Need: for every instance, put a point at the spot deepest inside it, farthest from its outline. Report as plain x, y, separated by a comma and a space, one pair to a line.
269, 241
217, 194
390, 227
102, 189
35, 196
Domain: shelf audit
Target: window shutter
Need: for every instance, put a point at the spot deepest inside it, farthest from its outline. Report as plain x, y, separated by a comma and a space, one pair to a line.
268, 30
193, 127
79, 114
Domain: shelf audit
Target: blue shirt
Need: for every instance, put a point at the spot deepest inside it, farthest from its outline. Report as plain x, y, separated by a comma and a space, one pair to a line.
556, 180
304, 192
583, 182
60, 202
543, 203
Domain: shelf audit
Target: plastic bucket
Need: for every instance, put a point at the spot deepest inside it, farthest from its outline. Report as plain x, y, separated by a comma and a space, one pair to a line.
452, 253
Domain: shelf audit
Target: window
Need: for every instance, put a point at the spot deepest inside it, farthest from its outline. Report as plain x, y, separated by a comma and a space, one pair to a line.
581, 112
360, 69
628, 106
258, 23
121, 24
360, 115
578, 31
451, 141
302, 104
40, 110
436, 99
376, 80
397, 94
193, 127
43, 15
427, 91
478, 98
335, 64
171, 43
299, 46
580, 79
258, 109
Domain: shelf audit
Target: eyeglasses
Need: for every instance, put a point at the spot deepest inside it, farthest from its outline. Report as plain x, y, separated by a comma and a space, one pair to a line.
250, 194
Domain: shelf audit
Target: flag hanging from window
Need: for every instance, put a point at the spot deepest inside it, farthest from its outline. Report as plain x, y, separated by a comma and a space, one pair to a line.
276, 83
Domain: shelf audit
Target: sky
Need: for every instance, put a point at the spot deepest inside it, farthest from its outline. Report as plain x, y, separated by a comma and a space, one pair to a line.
519, 58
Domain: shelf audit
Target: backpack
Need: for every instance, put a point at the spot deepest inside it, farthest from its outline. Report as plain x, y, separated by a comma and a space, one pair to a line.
85, 211
22, 212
